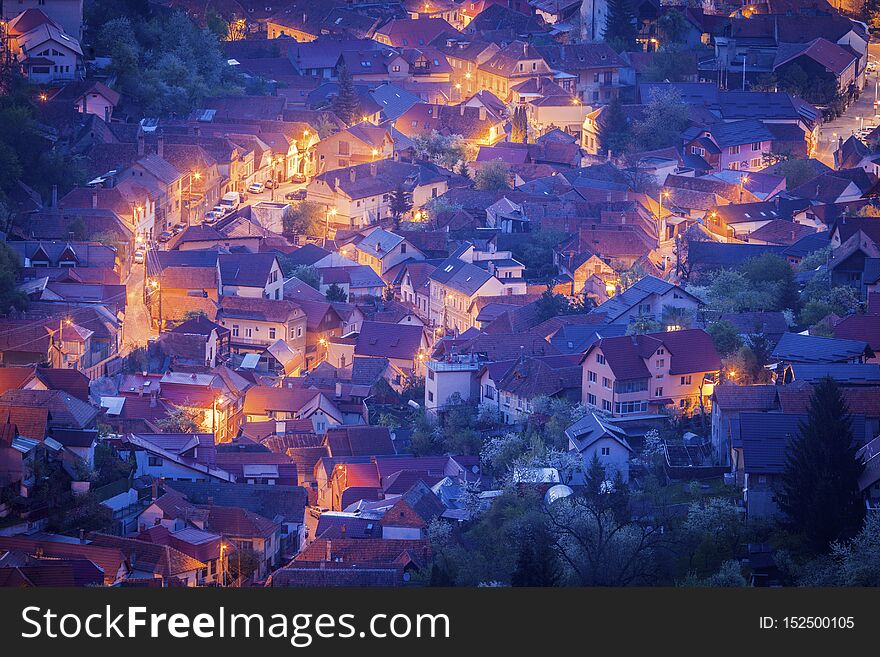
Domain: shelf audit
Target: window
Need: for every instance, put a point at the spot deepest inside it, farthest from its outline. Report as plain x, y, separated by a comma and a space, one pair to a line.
489, 393
606, 383
600, 359
155, 461
591, 399
661, 351
271, 333
430, 396
591, 376
686, 380
637, 385
344, 148
606, 405
235, 330
249, 332
595, 77
395, 68
661, 362
625, 408
606, 451
696, 150
403, 248
755, 163
733, 166
733, 150
299, 332
658, 392
756, 146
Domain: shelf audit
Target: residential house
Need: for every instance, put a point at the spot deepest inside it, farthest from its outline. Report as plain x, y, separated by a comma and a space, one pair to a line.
511, 65
45, 51
640, 374
454, 285
735, 145
649, 297
256, 323
359, 144
254, 275
381, 250
594, 438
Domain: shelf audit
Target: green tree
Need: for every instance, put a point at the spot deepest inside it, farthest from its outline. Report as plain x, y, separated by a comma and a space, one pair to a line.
675, 318
725, 336
519, 128
665, 116
346, 104
614, 129
9, 297
851, 563
820, 299
305, 218
673, 26
493, 176
336, 293
796, 172
307, 274
620, 25
400, 203
820, 485
643, 324
179, 420
536, 562
446, 151
772, 271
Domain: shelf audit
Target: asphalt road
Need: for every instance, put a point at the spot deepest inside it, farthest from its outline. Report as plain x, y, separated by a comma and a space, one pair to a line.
137, 328
859, 114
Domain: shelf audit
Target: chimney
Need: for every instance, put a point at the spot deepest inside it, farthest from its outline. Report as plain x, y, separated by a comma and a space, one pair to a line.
338, 389
352, 174
329, 553
160, 146
461, 109
342, 529
482, 113
54, 196
140, 142
525, 49
210, 500
373, 169
155, 490
82, 535
154, 398
197, 131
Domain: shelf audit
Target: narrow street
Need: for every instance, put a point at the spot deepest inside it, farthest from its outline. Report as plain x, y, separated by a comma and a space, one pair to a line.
137, 319
859, 114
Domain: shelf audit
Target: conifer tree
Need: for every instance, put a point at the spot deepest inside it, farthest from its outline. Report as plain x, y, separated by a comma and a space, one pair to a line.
620, 25
346, 103
820, 483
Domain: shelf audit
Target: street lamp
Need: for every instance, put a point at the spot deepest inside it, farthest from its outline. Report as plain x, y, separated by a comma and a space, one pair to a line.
661, 225
197, 176
743, 179
330, 213
375, 153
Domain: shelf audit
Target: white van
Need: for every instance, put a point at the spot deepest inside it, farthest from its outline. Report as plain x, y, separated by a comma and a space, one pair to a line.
231, 200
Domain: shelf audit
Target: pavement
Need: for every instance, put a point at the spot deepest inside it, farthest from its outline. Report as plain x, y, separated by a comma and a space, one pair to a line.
858, 115
137, 320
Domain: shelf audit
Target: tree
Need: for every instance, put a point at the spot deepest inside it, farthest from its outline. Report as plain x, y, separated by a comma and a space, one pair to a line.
772, 271
9, 297
795, 171
308, 275
614, 129
820, 299
536, 562
673, 26
725, 336
519, 126
669, 66
820, 484
400, 203
493, 176
194, 314
620, 25
851, 563
346, 104
179, 420
665, 116
305, 218
675, 318
336, 293
643, 324
447, 151
713, 530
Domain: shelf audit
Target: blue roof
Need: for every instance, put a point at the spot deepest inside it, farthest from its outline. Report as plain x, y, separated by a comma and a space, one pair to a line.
815, 349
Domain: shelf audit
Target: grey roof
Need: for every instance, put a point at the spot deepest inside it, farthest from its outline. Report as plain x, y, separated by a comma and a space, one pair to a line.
739, 132
394, 101
269, 501
719, 255
815, 349
308, 254
591, 428
247, 269
765, 438
379, 242
367, 371
462, 276
844, 373
808, 243
633, 296
574, 339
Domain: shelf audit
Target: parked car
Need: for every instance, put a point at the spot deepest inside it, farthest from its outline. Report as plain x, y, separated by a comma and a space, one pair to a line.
297, 178
139, 256
178, 228
212, 217
296, 195
256, 188
165, 236
270, 184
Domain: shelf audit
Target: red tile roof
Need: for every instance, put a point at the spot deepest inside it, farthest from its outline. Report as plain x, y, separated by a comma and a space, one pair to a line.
366, 551
690, 351
860, 327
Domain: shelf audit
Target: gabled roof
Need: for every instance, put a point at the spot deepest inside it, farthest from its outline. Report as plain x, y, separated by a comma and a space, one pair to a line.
815, 349
832, 56
590, 428
400, 341
617, 305
359, 441
245, 269
462, 276
691, 351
